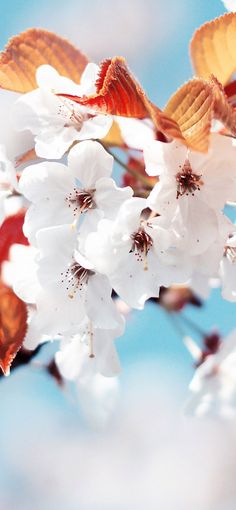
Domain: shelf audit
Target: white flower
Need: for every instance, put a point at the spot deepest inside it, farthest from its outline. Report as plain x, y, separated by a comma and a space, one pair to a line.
57, 122
206, 265
97, 397
136, 133
20, 272
9, 204
70, 288
90, 350
59, 194
7, 169
16, 143
228, 270
193, 187
213, 386
137, 253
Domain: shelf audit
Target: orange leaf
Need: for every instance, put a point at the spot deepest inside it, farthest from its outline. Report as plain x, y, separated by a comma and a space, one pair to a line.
32, 48
192, 109
213, 48
13, 326
114, 137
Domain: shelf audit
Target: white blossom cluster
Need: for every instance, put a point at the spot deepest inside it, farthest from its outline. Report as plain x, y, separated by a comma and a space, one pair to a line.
88, 237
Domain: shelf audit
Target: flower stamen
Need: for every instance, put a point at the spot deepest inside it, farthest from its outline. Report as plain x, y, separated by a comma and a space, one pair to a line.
91, 335
142, 242
76, 277
72, 115
187, 181
81, 200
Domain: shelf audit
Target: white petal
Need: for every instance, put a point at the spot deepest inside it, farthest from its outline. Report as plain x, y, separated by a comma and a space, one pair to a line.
164, 157
70, 358
46, 213
136, 133
96, 127
45, 181
134, 284
128, 220
99, 305
89, 162
105, 353
89, 78
53, 142
109, 197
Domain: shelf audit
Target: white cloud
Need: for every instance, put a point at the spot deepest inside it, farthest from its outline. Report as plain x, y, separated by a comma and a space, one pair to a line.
104, 28
149, 457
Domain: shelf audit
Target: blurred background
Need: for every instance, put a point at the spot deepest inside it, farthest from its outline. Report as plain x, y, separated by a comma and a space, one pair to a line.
135, 450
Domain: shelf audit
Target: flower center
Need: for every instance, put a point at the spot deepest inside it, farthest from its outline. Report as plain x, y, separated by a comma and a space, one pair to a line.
75, 277
187, 181
81, 200
142, 242
72, 115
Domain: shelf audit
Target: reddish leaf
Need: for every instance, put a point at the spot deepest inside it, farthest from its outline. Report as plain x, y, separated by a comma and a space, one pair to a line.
132, 177
11, 232
13, 326
118, 93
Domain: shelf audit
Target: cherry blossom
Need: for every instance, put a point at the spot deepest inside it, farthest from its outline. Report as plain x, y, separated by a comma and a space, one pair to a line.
228, 270
60, 193
90, 350
97, 250
192, 185
9, 204
137, 253
136, 133
70, 288
20, 272
213, 386
55, 121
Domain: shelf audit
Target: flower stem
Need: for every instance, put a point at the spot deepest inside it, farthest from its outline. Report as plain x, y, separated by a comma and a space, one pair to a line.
131, 171
192, 325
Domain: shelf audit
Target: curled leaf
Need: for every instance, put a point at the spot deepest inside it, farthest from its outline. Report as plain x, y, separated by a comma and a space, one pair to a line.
13, 326
213, 48
119, 93
192, 109
32, 48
